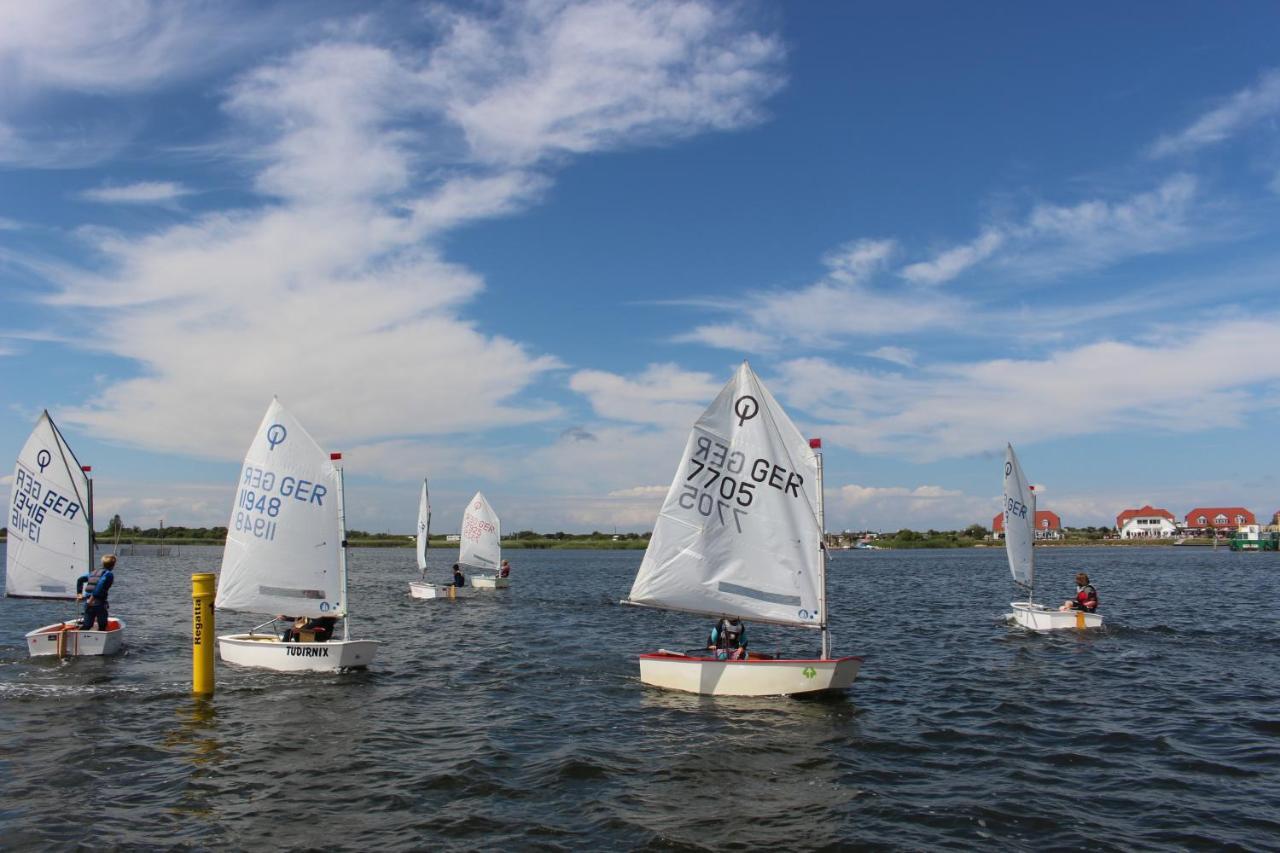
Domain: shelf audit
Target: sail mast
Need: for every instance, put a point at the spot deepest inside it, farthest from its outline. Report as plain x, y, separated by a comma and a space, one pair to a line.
816, 444
1031, 587
342, 549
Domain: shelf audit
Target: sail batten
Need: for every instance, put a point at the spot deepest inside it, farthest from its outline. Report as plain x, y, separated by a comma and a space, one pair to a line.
1019, 521
481, 536
284, 538
739, 532
50, 521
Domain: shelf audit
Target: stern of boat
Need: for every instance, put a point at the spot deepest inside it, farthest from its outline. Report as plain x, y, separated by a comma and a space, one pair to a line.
67, 639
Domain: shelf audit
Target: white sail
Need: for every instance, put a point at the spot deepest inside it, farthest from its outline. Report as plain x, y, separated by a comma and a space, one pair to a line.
739, 533
1019, 521
424, 527
481, 536
284, 540
50, 518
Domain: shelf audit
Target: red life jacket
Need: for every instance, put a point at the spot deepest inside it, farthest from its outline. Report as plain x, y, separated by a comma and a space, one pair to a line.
1087, 598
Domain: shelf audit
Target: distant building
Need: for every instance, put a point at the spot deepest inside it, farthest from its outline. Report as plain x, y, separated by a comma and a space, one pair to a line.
1218, 518
1146, 523
453, 537
1048, 525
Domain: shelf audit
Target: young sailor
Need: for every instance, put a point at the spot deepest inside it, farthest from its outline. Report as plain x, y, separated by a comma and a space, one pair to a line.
92, 588
729, 639
1086, 596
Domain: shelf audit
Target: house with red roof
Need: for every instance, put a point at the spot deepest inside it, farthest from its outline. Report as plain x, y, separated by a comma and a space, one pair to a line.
1048, 525
1147, 522
1219, 518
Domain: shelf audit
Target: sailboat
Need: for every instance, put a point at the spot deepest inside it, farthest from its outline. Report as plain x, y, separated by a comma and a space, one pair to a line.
51, 540
741, 534
1019, 545
286, 550
420, 588
480, 553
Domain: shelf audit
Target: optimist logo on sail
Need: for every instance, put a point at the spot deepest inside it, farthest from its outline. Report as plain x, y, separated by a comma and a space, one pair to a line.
43, 458
276, 434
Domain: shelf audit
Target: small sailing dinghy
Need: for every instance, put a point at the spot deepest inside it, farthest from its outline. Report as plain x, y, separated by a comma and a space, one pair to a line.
741, 534
420, 588
1019, 544
286, 551
480, 553
51, 541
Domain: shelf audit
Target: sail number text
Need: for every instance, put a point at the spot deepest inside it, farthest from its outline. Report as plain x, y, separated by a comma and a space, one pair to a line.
262, 495
32, 501
1014, 508
717, 483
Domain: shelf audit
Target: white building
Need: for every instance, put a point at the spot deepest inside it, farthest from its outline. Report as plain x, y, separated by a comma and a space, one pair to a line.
1146, 523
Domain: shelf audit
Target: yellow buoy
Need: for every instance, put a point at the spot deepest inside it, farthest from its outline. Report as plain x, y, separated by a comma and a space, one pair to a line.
202, 633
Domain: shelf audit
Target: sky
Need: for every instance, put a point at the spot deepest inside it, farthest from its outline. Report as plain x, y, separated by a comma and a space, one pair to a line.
519, 247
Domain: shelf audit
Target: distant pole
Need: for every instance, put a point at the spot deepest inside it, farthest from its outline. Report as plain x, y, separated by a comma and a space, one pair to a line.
202, 633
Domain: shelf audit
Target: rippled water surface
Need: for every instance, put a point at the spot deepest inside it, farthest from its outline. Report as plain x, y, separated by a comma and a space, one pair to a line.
517, 719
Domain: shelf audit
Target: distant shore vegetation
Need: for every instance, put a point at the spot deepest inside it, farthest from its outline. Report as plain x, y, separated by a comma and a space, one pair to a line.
973, 536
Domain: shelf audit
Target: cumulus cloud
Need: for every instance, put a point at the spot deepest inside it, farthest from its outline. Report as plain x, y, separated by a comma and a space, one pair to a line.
1174, 383
334, 293
663, 395
1057, 239
919, 507
143, 192
1236, 113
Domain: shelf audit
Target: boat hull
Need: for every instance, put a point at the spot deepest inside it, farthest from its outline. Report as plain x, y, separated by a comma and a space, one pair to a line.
438, 590
752, 677
1037, 617
67, 639
490, 582
270, 652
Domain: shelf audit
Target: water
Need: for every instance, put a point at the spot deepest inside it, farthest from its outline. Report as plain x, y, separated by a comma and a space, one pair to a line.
517, 719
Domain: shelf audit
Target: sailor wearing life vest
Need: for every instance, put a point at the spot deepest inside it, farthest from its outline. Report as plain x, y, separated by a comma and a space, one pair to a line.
729, 639
93, 589
1086, 596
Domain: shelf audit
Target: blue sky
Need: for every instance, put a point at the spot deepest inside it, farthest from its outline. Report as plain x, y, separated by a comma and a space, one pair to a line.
518, 247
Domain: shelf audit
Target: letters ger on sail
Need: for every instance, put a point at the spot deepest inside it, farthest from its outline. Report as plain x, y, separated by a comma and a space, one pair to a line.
481, 536
49, 521
1019, 520
282, 553
738, 533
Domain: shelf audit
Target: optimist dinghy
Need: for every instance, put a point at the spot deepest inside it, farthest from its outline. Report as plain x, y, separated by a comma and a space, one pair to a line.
480, 553
286, 551
741, 534
51, 541
1019, 545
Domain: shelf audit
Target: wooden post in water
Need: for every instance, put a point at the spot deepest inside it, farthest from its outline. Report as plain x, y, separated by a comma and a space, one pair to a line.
202, 633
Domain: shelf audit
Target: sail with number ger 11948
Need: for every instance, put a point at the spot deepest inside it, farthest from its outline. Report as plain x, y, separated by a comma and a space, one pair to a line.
740, 534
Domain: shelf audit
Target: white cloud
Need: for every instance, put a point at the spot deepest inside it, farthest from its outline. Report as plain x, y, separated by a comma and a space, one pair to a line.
841, 304
952, 262
335, 297
663, 395
143, 192
1057, 239
1177, 382
548, 76
897, 355
919, 508
1247, 107
658, 492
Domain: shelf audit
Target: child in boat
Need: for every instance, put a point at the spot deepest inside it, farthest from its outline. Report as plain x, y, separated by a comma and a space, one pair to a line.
1086, 596
505, 571
93, 589
459, 579
321, 629
729, 639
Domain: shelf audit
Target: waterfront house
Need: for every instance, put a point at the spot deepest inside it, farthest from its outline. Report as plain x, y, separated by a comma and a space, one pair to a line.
1218, 518
1146, 523
1048, 525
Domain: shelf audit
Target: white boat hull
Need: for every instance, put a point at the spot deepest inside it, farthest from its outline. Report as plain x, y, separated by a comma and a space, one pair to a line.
752, 677
438, 590
270, 652
1037, 617
67, 639
490, 582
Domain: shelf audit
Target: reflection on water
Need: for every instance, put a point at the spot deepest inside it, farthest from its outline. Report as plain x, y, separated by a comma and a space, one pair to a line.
517, 719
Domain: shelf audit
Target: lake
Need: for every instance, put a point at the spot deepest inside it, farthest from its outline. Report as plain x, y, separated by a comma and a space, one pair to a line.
517, 719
